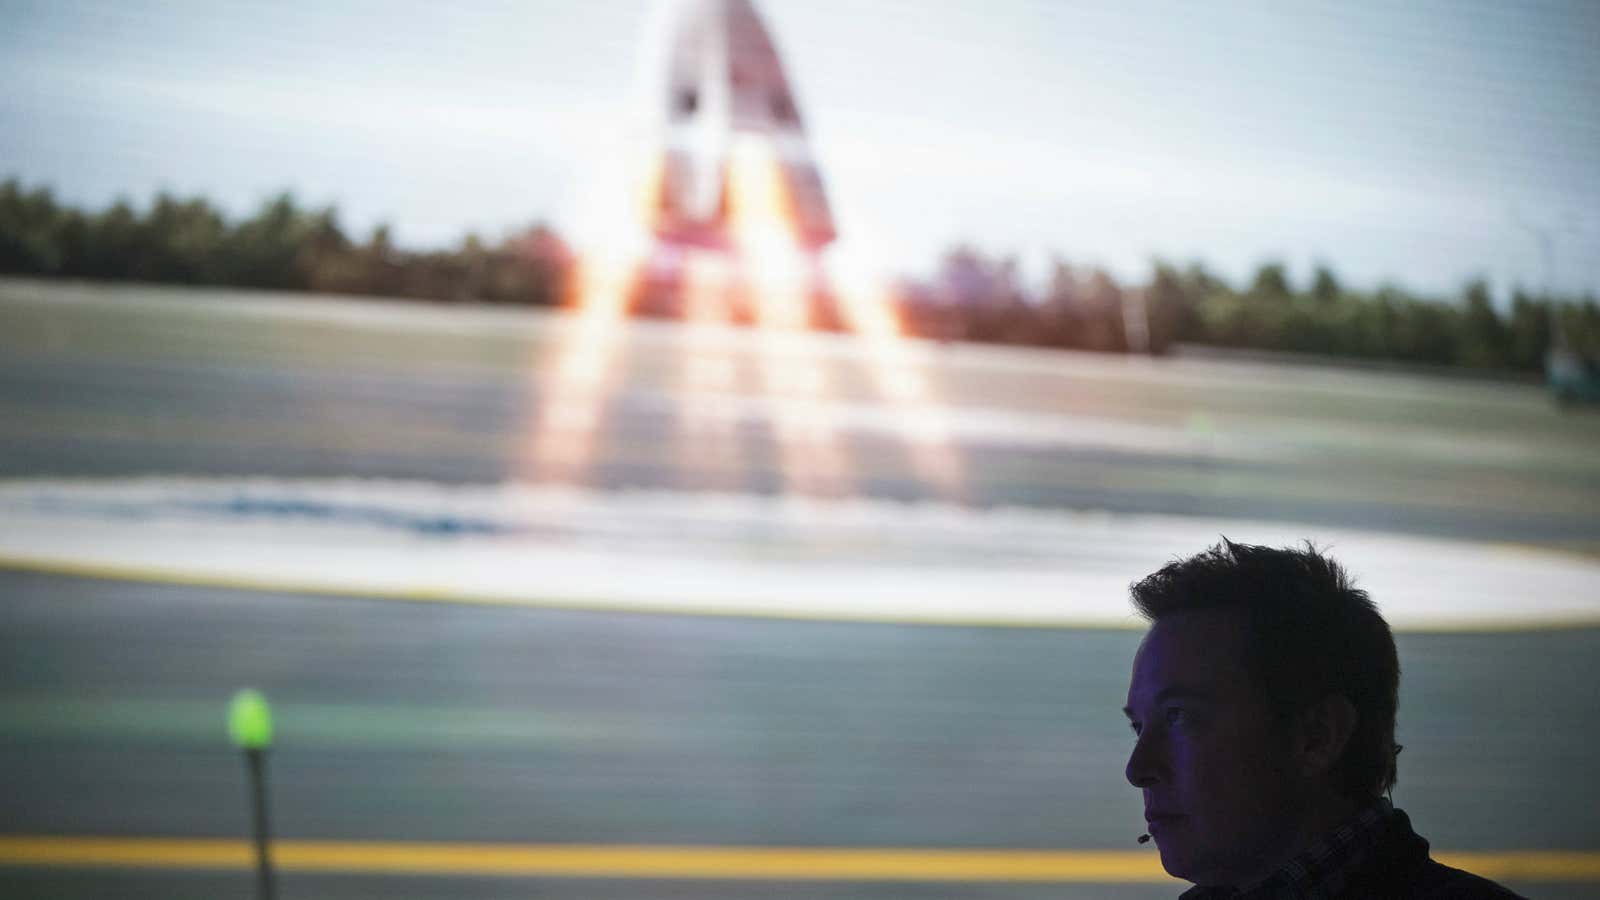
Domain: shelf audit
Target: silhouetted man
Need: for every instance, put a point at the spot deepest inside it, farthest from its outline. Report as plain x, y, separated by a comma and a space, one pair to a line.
1263, 699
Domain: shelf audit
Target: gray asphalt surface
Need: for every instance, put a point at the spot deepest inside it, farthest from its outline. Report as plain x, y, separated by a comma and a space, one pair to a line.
126, 381
402, 721
406, 721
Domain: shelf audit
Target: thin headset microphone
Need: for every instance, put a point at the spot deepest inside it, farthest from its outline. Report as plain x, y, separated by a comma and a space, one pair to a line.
1144, 838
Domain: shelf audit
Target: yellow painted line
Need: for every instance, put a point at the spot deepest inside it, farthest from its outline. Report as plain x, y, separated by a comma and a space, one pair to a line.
592, 861
693, 862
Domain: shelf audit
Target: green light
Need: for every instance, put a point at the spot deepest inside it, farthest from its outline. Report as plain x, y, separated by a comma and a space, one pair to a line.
250, 720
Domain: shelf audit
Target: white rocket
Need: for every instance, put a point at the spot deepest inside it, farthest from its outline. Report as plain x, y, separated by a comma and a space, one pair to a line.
725, 84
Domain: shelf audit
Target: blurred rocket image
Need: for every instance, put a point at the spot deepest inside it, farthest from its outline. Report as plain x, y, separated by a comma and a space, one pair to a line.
726, 224
729, 105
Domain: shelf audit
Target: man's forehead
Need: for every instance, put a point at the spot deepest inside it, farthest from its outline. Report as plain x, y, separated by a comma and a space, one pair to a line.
1195, 652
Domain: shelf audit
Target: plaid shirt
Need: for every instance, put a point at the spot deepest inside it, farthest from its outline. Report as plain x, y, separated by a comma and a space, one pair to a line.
1321, 871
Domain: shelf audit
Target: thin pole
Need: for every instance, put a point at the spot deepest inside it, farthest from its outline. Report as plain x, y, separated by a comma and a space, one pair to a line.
258, 791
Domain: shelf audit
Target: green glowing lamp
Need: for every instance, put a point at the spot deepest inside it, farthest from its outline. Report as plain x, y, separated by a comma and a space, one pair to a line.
250, 720
250, 726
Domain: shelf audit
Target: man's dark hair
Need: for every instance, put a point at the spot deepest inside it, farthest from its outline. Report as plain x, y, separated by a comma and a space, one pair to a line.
1309, 633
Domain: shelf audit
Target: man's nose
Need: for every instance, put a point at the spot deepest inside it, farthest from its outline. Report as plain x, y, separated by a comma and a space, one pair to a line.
1144, 763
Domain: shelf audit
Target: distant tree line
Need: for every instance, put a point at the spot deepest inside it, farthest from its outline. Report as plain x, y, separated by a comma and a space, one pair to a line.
283, 246
971, 296
980, 298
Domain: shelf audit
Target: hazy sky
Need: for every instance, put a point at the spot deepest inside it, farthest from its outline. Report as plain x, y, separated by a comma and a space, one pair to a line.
1421, 142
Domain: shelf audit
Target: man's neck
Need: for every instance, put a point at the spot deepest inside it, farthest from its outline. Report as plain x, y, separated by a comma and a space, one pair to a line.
1319, 820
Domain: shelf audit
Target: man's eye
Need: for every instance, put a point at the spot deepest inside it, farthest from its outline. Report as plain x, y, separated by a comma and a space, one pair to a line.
1177, 714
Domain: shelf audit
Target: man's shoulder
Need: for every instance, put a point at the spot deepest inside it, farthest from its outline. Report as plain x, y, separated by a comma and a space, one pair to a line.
1439, 880
1425, 879
1401, 867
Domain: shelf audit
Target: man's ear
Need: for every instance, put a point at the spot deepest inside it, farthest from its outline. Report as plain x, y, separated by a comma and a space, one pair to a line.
1323, 731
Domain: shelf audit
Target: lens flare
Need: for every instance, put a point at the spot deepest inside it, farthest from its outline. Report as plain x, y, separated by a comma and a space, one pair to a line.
870, 312
754, 254
777, 278
709, 449
577, 384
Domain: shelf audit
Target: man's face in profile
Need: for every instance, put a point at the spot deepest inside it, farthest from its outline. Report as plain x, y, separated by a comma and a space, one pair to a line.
1218, 794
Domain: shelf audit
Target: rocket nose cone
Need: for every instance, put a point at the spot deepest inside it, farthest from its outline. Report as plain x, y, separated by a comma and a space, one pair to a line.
726, 80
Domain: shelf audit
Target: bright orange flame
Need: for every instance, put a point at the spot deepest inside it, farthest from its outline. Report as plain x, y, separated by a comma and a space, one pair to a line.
647, 199
583, 371
564, 434
774, 276
761, 217
708, 443
871, 313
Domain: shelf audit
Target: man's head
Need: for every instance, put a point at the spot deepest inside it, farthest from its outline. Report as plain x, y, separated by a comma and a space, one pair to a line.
1264, 701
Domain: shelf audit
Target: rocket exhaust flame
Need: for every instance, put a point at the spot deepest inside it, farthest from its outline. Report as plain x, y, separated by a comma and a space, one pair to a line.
711, 373
734, 195
761, 219
564, 435
870, 313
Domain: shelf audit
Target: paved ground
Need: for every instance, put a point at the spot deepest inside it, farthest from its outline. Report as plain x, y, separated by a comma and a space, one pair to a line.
402, 721
406, 721
130, 381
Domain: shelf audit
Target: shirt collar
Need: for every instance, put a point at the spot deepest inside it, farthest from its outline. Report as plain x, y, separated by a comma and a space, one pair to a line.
1318, 872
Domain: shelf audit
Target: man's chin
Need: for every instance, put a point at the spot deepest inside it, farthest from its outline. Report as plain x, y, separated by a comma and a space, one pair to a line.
1179, 861
1185, 863
1174, 860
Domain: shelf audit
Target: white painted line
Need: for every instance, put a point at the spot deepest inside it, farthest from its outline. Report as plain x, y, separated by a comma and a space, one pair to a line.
725, 554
